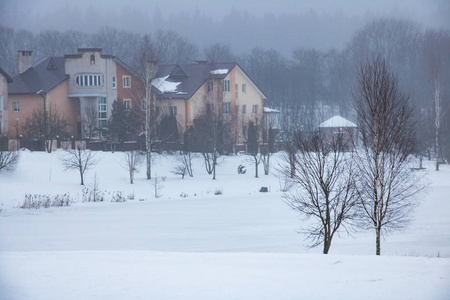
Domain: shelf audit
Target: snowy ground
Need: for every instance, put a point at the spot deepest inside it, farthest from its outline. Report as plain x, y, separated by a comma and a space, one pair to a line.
192, 244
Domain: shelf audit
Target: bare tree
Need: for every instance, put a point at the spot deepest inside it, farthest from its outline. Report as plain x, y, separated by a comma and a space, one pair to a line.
387, 188
173, 48
324, 187
147, 68
133, 159
80, 160
436, 45
9, 160
90, 121
218, 52
253, 133
46, 123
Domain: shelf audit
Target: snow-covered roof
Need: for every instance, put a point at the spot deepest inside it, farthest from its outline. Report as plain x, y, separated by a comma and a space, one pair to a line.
219, 72
337, 121
165, 86
270, 110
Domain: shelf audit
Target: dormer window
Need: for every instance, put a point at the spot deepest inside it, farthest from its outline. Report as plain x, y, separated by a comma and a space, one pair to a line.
92, 59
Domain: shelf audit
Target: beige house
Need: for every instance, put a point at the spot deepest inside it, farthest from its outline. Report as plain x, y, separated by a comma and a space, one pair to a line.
43, 84
4, 80
192, 91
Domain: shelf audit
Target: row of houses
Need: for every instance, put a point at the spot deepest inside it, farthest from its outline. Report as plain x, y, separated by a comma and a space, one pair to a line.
89, 81
83, 86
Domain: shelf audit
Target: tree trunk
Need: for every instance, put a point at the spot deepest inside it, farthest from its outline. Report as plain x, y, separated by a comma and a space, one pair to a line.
378, 240
437, 102
326, 245
292, 163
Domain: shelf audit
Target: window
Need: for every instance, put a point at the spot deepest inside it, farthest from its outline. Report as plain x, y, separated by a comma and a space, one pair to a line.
16, 106
126, 81
244, 109
89, 80
244, 88
226, 107
127, 104
236, 88
102, 109
255, 109
210, 86
92, 59
1, 102
173, 110
209, 108
114, 82
226, 86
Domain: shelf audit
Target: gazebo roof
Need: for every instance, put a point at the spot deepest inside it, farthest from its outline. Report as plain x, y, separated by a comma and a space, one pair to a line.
337, 121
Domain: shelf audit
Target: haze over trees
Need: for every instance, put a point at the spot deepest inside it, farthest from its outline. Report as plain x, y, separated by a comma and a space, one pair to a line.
311, 82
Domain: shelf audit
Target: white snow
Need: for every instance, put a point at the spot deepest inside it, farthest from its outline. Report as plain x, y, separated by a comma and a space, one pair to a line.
219, 72
270, 110
337, 121
165, 86
193, 244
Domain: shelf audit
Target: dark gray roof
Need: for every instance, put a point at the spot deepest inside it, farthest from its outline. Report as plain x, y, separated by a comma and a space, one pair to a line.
44, 75
8, 78
191, 77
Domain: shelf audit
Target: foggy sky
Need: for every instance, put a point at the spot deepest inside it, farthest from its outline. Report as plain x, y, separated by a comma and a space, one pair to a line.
242, 24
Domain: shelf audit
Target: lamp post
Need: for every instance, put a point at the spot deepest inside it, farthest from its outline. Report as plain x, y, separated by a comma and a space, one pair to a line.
17, 133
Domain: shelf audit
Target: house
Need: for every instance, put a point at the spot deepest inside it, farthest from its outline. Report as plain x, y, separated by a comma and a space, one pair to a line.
5, 79
338, 126
96, 80
81, 87
191, 92
44, 84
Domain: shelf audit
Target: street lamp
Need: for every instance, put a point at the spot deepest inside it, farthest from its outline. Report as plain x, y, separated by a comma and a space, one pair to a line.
17, 133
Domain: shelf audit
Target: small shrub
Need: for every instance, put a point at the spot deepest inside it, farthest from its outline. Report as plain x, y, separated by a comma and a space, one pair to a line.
37, 201
92, 195
163, 178
184, 195
218, 191
130, 196
118, 197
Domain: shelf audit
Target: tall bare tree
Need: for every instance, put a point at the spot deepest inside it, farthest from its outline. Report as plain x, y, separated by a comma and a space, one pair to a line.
147, 67
436, 47
388, 190
324, 187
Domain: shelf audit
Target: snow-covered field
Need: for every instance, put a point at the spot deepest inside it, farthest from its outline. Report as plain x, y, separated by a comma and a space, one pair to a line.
193, 244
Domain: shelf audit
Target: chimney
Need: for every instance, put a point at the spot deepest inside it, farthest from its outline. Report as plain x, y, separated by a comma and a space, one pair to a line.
25, 60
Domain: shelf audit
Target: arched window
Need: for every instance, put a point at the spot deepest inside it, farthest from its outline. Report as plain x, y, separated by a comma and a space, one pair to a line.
92, 59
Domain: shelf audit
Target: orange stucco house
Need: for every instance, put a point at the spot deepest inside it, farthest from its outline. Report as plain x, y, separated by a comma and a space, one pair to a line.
5, 79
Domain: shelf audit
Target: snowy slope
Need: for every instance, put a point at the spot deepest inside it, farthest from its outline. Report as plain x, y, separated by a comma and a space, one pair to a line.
192, 244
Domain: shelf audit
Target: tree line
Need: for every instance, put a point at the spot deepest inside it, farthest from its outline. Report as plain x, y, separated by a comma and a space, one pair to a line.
315, 84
